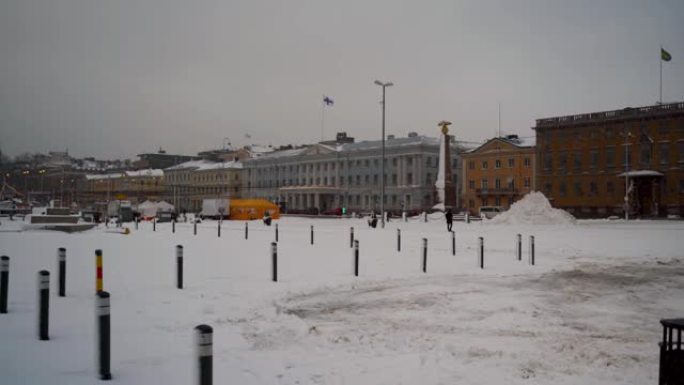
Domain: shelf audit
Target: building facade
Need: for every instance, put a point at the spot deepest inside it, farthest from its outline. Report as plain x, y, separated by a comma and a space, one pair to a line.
327, 177
600, 164
498, 173
135, 186
187, 184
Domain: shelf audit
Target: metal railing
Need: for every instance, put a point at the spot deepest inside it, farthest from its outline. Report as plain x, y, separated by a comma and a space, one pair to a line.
615, 114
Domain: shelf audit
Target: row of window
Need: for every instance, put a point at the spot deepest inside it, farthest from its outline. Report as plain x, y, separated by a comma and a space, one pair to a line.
430, 161
498, 163
510, 183
609, 157
187, 177
350, 181
661, 129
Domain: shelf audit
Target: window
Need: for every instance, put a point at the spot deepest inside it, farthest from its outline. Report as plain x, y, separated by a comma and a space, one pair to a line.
409, 178
527, 182
394, 179
428, 178
593, 158
664, 153
497, 164
376, 162
562, 189
428, 162
485, 165
409, 161
358, 180
471, 165
578, 189
610, 157
609, 132
497, 183
511, 162
548, 188
610, 188
593, 188
484, 183
471, 184
680, 148
497, 201
375, 179
548, 161
563, 162
628, 156
366, 163
577, 162
511, 183
394, 161
526, 162
325, 181
367, 179
645, 154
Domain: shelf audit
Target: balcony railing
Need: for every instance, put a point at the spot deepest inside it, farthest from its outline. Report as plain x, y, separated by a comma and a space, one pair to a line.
496, 191
659, 109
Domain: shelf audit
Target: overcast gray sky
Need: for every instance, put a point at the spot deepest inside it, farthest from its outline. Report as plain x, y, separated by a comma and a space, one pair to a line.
115, 78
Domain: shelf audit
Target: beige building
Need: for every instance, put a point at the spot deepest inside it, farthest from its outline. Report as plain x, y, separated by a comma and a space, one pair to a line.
136, 186
187, 184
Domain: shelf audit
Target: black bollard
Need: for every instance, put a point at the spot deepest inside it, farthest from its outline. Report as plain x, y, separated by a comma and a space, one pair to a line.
276, 232
205, 355
246, 230
467, 218
179, 266
43, 304
173, 226
136, 223
61, 261
398, 239
481, 252
424, 255
4, 282
219, 228
274, 260
351, 236
356, 258
194, 227
425, 217
154, 224
532, 250
453, 243
518, 247
312, 235
102, 312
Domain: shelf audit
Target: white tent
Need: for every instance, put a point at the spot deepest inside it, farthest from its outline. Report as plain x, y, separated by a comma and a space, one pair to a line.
149, 209
164, 206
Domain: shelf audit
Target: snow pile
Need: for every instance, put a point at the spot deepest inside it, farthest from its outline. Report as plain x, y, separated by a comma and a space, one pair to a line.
533, 209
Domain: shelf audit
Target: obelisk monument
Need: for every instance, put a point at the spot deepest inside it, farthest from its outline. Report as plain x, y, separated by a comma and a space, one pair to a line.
446, 192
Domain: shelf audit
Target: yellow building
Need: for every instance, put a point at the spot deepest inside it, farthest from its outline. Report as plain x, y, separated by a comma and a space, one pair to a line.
497, 173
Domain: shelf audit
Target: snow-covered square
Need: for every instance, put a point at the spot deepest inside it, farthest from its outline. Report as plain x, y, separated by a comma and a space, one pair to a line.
587, 312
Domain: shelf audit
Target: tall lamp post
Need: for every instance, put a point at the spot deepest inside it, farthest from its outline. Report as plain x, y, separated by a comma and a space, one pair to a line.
382, 197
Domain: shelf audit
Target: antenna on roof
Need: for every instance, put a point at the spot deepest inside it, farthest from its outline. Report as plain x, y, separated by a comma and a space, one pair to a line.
499, 131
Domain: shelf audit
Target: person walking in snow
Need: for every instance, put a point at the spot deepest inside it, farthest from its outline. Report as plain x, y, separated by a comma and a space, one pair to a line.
449, 219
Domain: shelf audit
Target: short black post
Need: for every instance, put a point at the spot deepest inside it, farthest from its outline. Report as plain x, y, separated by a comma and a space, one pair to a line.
312, 235
4, 282
205, 356
398, 239
173, 226
61, 261
356, 258
219, 228
194, 227
481, 252
453, 243
44, 304
519, 247
102, 312
351, 236
136, 223
276, 232
274, 260
246, 230
467, 218
179, 266
532, 250
154, 224
424, 255
425, 217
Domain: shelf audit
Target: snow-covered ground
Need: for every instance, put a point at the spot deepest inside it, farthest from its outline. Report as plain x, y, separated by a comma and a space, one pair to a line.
586, 313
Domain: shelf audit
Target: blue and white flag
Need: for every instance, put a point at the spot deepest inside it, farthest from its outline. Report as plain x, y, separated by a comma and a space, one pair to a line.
328, 101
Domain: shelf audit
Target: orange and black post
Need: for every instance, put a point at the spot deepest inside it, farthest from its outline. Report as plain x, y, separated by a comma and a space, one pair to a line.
98, 271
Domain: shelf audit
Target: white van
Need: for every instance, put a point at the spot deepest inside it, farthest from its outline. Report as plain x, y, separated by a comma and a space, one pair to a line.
490, 212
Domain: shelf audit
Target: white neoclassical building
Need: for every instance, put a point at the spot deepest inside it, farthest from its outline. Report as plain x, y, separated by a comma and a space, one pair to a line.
328, 176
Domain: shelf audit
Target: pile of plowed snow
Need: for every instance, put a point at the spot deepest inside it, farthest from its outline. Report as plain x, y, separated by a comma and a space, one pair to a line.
533, 209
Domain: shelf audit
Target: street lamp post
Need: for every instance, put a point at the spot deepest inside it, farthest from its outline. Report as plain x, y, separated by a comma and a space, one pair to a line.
382, 197
627, 135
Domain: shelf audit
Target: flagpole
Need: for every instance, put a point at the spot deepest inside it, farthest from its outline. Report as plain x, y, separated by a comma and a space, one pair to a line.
322, 117
660, 59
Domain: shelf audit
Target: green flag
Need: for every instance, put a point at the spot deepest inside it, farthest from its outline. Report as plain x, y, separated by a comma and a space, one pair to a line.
664, 55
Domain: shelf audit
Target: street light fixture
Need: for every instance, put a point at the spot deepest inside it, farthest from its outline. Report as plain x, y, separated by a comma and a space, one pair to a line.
382, 197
